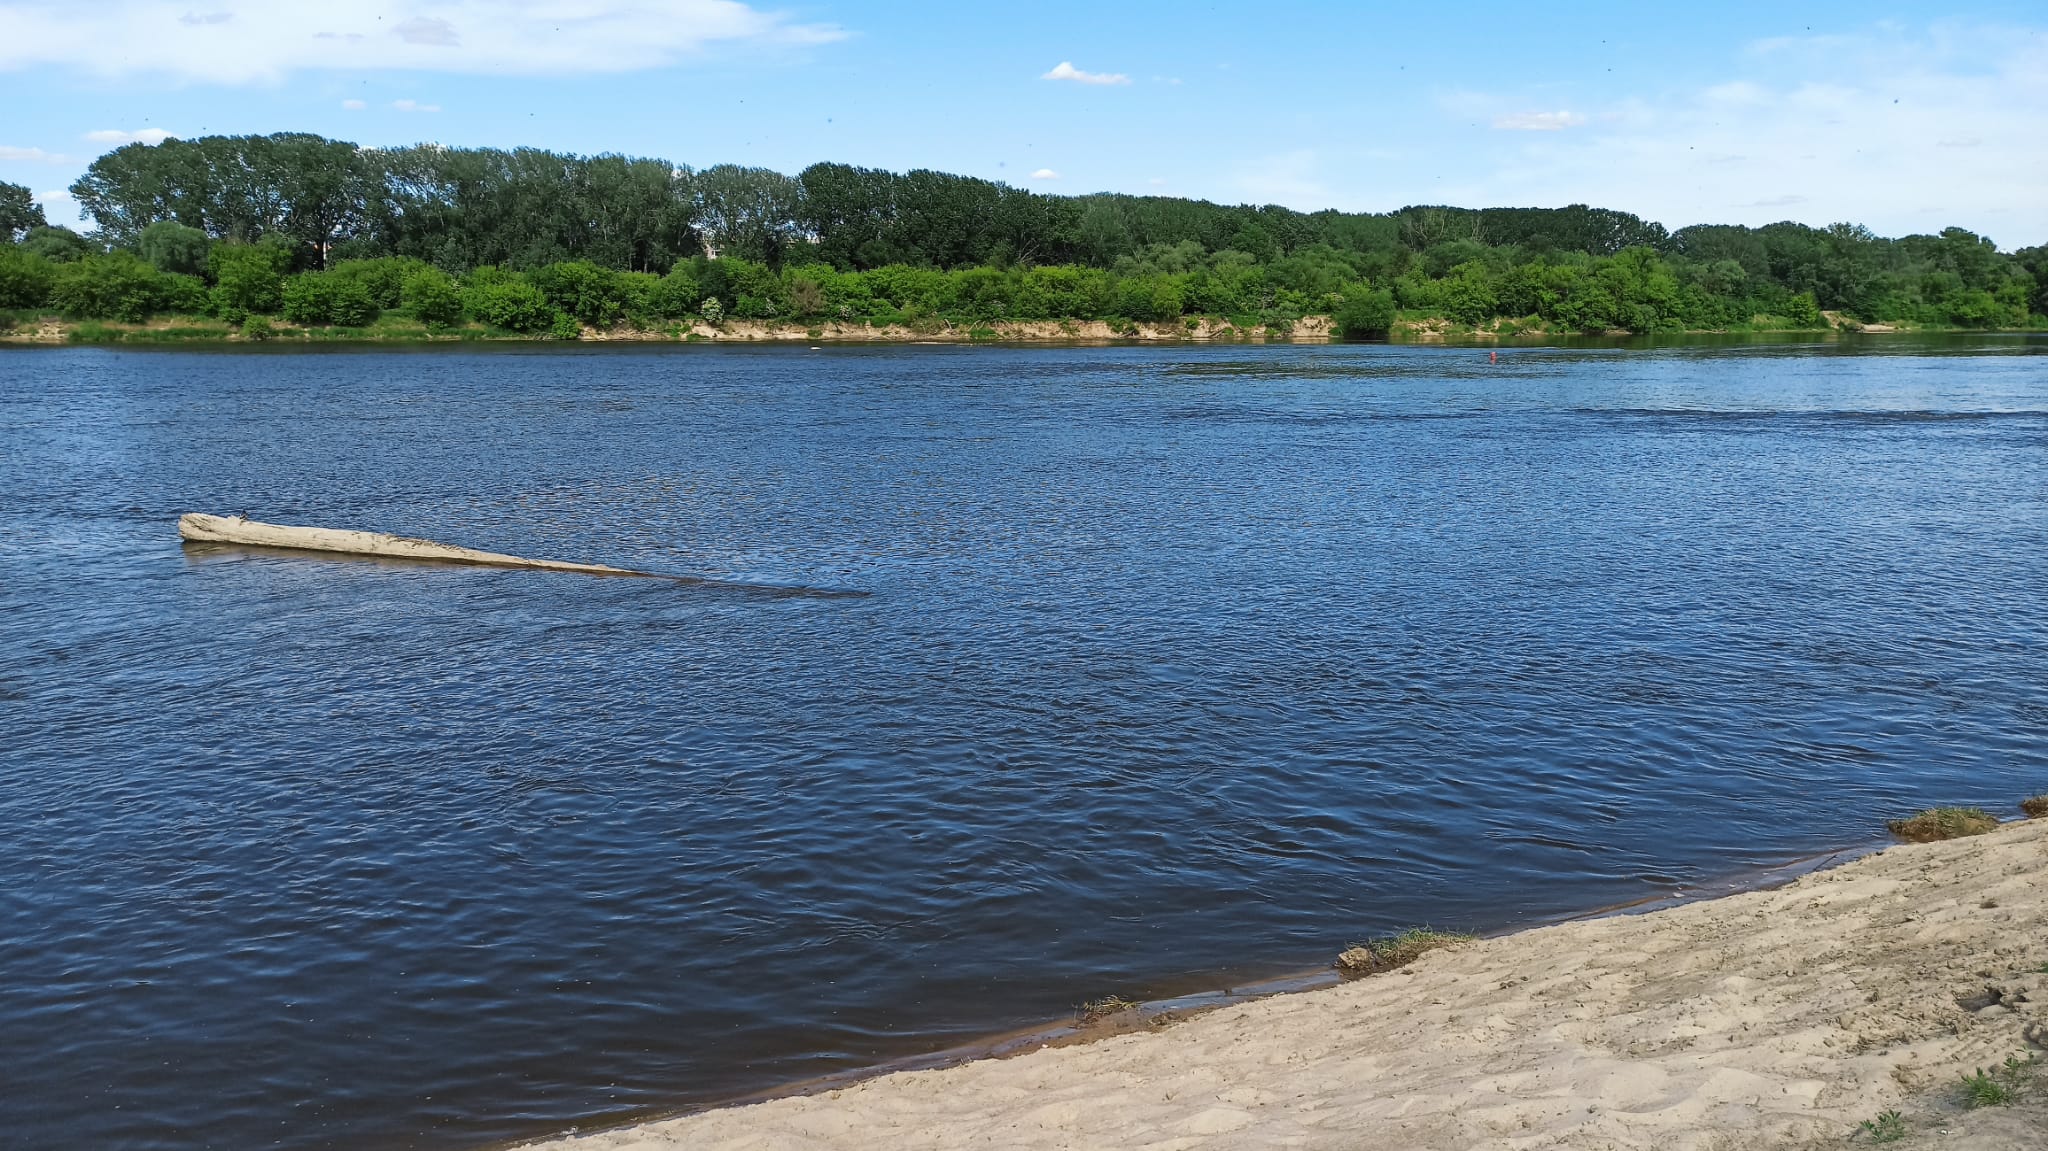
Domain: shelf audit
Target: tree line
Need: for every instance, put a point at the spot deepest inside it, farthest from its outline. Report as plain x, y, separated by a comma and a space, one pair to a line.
324, 231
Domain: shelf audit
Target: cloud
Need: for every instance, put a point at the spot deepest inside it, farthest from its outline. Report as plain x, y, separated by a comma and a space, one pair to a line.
1066, 71
1846, 127
31, 155
115, 136
1045, 174
414, 106
1538, 121
249, 41
428, 30
354, 105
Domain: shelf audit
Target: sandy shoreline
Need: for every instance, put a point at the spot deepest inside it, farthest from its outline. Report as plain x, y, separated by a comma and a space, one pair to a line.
1776, 1018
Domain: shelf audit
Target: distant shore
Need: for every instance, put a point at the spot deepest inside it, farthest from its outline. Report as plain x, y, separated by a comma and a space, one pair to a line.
175, 330
1789, 1018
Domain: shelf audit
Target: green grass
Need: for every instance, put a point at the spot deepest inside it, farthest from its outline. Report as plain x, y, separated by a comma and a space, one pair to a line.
1379, 955
1888, 1127
1937, 823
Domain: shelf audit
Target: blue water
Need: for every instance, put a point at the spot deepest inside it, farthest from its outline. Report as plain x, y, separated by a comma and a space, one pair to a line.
1174, 666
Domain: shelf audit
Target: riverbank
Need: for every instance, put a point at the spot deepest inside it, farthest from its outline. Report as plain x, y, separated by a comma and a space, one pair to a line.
176, 330
1779, 1018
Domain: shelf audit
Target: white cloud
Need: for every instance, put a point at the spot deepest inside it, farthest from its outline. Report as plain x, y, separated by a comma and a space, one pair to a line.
1066, 71
414, 106
1538, 121
116, 136
31, 155
354, 105
1861, 127
1045, 174
247, 41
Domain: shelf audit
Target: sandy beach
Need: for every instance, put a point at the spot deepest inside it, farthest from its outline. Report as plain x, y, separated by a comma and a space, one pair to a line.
1782, 1018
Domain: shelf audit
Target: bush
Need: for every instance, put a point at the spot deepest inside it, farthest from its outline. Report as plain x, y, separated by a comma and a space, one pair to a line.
248, 277
676, 295
25, 279
383, 276
173, 247
117, 286
581, 289
502, 299
258, 328
433, 297
1366, 315
328, 298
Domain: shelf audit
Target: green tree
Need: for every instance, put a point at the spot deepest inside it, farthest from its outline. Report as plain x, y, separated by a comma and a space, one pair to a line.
1366, 314
19, 212
58, 245
173, 247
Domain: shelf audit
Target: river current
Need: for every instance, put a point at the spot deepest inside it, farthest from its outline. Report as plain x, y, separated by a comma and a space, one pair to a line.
1156, 669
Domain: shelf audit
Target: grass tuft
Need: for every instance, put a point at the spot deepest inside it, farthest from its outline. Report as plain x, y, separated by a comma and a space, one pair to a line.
2036, 807
1888, 1127
1105, 1007
1937, 823
2000, 1086
1379, 955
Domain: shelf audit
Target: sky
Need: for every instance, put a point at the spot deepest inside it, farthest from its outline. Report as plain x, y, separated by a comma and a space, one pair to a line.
1905, 117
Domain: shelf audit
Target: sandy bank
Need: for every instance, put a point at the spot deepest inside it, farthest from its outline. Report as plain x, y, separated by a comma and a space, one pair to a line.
1768, 1019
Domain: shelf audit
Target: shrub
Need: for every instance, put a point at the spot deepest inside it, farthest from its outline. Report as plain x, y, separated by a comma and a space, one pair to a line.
173, 247
565, 327
1937, 823
258, 328
713, 311
382, 276
676, 295
118, 286
25, 279
1366, 315
583, 290
328, 298
248, 277
2036, 807
503, 300
432, 296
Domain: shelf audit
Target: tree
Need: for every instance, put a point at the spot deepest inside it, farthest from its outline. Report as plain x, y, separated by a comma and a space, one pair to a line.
57, 245
173, 247
750, 213
19, 212
1366, 315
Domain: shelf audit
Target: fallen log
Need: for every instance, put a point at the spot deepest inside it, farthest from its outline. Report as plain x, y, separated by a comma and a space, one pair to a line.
202, 528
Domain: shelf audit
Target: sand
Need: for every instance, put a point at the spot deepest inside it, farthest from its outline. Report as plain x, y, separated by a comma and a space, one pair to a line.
1777, 1018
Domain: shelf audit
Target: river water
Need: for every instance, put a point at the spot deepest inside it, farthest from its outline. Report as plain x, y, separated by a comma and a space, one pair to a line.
1162, 668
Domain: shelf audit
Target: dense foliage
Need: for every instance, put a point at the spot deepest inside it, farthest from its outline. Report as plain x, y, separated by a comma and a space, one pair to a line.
320, 231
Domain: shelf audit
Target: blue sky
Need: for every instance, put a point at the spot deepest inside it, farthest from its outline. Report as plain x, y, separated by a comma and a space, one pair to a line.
1907, 117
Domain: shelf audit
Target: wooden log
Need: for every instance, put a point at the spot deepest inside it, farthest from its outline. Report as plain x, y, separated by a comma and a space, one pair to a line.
202, 528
